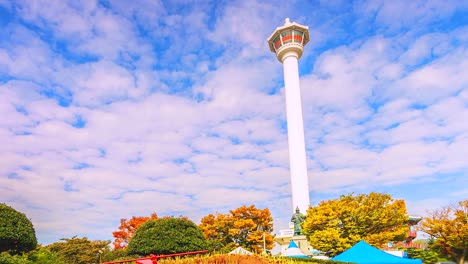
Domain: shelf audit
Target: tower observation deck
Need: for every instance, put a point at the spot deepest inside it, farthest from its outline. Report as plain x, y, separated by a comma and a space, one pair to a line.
292, 37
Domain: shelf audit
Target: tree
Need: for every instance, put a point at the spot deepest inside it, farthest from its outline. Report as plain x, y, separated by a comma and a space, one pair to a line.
79, 250
449, 227
167, 236
335, 225
427, 256
245, 226
42, 255
127, 229
216, 230
17, 234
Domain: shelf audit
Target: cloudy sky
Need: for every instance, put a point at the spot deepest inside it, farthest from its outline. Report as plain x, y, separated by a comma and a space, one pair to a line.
113, 109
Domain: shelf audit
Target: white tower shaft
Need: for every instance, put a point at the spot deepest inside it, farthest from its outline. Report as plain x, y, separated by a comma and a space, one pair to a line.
288, 42
297, 151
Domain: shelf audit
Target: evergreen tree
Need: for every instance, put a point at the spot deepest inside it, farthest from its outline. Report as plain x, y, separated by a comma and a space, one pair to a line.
17, 234
167, 236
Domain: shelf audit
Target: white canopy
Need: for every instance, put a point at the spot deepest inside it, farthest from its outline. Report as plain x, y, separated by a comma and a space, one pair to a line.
240, 251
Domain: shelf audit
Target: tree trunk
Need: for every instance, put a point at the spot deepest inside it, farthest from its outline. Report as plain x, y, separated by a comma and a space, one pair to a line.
461, 260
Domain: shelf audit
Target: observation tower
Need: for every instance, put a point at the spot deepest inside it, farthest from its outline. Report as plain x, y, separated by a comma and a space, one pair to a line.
288, 42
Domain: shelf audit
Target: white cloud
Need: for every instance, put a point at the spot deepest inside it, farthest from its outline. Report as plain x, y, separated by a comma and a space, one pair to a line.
442, 78
395, 15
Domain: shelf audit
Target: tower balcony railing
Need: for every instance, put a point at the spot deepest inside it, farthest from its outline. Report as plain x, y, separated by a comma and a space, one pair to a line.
288, 36
412, 234
411, 245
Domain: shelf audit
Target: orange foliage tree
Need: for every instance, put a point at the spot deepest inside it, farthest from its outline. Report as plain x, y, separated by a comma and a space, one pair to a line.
128, 228
245, 226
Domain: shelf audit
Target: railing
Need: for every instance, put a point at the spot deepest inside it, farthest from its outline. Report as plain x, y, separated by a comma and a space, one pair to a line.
412, 234
286, 233
411, 245
404, 245
152, 259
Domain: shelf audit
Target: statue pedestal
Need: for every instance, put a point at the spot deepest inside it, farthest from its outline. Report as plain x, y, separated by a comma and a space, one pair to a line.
285, 237
302, 243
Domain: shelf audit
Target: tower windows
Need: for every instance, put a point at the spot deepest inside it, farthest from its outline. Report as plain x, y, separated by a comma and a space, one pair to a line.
286, 36
277, 42
298, 36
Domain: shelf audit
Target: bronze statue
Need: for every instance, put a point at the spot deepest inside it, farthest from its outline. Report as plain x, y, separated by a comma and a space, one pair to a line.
297, 218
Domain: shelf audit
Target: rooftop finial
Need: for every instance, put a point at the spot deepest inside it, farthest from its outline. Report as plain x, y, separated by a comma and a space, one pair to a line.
287, 21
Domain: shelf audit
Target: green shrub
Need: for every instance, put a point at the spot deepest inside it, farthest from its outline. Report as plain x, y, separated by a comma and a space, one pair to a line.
43, 255
6, 258
117, 254
167, 236
427, 256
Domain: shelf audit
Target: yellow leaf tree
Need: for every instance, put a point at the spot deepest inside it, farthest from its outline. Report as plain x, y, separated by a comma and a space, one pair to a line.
245, 226
336, 225
449, 227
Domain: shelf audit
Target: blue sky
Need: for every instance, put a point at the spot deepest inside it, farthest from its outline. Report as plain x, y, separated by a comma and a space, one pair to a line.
113, 109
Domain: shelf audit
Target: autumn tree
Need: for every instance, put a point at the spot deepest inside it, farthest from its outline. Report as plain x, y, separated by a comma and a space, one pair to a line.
166, 236
449, 227
79, 250
335, 225
17, 234
127, 229
245, 226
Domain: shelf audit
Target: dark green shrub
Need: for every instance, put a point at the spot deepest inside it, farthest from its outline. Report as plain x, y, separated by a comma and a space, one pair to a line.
167, 236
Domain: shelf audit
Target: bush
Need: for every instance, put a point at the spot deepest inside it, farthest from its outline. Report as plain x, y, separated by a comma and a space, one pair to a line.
167, 236
117, 254
6, 258
427, 256
43, 255
17, 233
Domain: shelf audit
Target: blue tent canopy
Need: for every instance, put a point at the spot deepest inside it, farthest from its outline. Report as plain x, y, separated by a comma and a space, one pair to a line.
363, 253
294, 252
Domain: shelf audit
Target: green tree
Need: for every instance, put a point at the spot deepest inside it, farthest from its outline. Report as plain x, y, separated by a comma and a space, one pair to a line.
79, 250
246, 226
449, 227
335, 225
17, 233
166, 236
427, 256
42, 255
